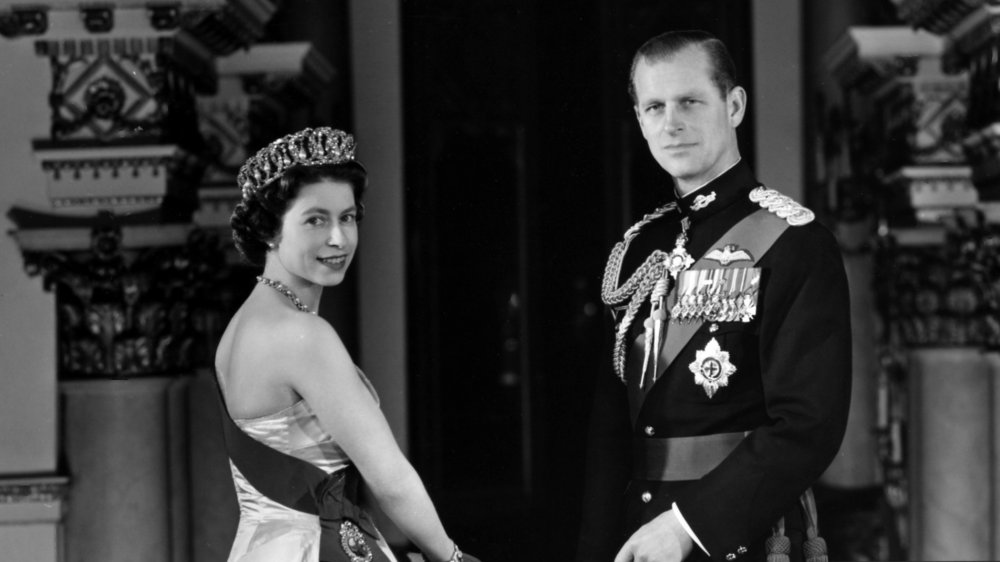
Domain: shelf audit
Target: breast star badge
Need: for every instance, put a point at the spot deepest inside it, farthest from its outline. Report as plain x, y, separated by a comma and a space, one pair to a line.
712, 368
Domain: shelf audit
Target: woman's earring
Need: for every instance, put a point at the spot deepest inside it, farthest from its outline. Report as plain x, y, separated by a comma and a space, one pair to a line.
272, 245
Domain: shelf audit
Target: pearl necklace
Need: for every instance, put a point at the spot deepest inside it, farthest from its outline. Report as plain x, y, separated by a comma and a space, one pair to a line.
281, 288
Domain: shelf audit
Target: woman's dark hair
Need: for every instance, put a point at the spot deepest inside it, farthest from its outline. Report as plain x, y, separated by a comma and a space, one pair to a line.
668, 44
257, 219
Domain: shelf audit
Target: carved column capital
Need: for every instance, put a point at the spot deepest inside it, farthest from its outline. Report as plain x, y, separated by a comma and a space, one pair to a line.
912, 113
133, 298
865, 58
923, 118
937, 16
256, 87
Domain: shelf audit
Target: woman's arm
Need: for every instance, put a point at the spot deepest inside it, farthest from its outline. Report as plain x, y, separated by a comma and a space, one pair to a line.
322, 372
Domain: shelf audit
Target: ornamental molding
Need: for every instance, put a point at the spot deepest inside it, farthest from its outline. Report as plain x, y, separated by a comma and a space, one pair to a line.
931, 192
936, 16
114, 89
977, 31
39, 489
24, 21
226, 26
222, 26
225, 124
865, 57
125, 178
983, 149
215, 206
257, 86
281, 65
923, 119
74, 239
983, 144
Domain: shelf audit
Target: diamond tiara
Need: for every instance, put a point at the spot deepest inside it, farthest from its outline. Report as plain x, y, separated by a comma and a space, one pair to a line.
308, 147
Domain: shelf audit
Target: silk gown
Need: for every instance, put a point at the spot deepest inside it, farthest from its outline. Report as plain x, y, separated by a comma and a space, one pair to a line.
269, 531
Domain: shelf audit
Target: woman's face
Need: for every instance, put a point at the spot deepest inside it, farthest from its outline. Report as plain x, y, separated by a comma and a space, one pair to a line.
319, 233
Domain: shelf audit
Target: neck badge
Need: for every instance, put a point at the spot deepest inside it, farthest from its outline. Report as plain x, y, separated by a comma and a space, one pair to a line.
674, 264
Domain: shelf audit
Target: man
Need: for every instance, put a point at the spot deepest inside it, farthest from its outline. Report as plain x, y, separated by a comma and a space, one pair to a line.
732, 341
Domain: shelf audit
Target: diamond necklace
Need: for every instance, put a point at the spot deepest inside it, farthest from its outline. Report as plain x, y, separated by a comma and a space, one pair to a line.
281, 288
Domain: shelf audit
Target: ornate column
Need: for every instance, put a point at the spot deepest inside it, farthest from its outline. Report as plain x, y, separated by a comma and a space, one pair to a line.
972, 31
103, 158
904, 135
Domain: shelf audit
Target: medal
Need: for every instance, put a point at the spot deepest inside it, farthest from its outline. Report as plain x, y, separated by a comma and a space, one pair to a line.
711, 368
717, 295
679, 259
675, 262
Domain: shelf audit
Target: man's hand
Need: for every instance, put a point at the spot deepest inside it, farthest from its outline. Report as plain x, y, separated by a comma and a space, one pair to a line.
661, 540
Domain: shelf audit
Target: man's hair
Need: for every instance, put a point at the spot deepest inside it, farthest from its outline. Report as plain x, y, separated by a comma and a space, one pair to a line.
666, 45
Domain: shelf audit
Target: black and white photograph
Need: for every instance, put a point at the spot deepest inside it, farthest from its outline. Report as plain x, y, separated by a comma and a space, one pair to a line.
499, 280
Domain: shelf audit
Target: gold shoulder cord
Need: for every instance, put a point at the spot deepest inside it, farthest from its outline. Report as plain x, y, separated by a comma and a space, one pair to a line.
637, 287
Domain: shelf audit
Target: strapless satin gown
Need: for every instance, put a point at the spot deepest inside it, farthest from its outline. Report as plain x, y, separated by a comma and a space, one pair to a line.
269, 531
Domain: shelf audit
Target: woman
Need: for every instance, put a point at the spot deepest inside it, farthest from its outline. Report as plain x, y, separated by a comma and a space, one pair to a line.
303, 420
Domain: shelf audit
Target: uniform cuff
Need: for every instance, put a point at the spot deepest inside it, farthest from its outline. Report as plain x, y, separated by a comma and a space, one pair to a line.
687, 528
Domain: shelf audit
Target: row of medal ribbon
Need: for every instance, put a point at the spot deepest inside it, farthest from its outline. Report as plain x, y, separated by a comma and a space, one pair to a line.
717, 295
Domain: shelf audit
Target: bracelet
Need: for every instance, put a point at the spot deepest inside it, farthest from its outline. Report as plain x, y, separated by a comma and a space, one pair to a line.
456, 554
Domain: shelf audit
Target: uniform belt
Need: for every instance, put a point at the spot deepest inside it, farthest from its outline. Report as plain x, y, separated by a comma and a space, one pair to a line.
681, 458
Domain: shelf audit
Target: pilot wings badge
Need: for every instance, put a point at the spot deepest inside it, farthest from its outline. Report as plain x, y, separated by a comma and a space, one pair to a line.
728, 254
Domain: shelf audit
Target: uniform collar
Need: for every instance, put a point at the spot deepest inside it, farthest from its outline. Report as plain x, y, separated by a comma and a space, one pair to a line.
719, 193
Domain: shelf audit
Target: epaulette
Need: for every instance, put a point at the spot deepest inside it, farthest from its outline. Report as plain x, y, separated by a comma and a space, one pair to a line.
782, 205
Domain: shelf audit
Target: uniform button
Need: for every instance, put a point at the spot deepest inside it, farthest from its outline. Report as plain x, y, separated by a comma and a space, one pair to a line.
649, 430
730, 556
742, 550
646, 497
713, 328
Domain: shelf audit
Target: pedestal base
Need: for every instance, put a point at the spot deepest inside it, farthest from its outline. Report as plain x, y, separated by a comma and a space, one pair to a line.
31, 513
125, 446
951, 456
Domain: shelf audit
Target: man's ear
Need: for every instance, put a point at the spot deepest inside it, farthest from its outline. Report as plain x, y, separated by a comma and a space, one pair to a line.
638, 118
736, 105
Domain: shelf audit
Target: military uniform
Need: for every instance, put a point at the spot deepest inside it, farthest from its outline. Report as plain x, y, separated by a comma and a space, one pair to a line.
756, 401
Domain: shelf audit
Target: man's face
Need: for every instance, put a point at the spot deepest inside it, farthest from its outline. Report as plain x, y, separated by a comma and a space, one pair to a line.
689, 125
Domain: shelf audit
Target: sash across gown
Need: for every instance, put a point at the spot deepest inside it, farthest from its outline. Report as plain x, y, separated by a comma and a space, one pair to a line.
297, 492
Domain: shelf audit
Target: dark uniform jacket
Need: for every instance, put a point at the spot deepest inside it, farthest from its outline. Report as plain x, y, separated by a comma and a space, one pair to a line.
790, 391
